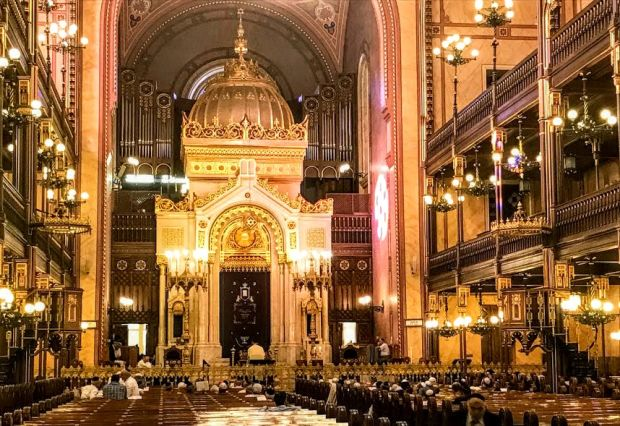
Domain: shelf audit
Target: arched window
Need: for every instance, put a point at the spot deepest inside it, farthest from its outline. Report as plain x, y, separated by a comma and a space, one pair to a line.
363, 124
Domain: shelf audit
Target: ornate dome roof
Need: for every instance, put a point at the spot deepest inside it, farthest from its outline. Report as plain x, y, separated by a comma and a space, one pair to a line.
243, 90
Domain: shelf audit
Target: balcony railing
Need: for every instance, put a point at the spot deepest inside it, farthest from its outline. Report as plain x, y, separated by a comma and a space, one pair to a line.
479, 250
133, 227
586, 27
351, 229
576, 36
592, 211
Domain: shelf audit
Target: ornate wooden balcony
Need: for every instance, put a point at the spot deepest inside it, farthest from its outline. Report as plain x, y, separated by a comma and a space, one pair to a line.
583, 39
590, 212
133, 227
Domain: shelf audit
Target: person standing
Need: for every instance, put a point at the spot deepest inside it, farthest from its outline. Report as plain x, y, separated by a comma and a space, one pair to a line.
384, 351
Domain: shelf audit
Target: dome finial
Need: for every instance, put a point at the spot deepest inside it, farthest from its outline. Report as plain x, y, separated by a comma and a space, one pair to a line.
241, 43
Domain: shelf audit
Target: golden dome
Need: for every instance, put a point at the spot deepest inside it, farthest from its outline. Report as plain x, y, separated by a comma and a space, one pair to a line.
243, 90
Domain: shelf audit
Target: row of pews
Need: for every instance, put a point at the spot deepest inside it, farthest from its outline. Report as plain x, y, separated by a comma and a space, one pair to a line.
23, 402
402, 409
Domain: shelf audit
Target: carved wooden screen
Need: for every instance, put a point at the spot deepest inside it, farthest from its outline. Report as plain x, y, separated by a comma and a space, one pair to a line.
145, 121
331, 121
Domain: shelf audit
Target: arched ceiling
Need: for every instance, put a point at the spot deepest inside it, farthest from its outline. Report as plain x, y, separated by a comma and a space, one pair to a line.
299, 42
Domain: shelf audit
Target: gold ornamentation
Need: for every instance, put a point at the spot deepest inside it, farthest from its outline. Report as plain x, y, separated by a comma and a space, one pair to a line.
293, 240
161, 260
203, 201
173, 237
167, 205
315, 238
244, 130
321, 206
283, 197
224, 220
291, 225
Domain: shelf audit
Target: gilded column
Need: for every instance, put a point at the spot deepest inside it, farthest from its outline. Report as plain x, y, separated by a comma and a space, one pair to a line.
161, 339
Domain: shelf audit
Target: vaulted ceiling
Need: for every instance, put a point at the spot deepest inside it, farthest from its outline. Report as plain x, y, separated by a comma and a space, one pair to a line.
173, 42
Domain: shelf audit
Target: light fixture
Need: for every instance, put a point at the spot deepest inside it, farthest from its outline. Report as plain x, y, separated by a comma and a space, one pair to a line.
367, 301
447, 329
518, 162
483, 325
57, 178
126, 302
585, 127
185, 266
590, 309
311, 269
441, 202
476, 186
493, 15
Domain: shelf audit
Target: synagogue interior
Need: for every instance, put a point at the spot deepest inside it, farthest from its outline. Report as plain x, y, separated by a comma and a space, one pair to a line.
265, 212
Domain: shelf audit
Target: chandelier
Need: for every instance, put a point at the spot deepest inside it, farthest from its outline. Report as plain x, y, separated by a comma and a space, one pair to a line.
185, 267
476, 186
494, 15
447, 329
61, 37
57, 178
311, 270
483, 325
590, 311
518, 162
441, 202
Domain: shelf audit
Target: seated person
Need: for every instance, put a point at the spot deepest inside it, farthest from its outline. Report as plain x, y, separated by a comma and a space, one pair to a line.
280, 401
145, 362
114, 390
476, 415
256, 353
133, 390
91, 390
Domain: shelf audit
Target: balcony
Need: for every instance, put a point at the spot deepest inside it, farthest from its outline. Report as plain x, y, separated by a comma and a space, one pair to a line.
582, 40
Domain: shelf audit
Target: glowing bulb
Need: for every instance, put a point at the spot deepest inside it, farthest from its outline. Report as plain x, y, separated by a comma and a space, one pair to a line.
428, 199
39, 306
497, 157
596, 304
445, 44
50, 194
493, 179
42, 38
450, 57
29, 308
62, 24
456, 37
612, 120
72, 29
557, 121
53, 28
508, 4
539, 158
515, 152
456, 182
467, 41
14, 54
72, 193
60, 147
605, 114
84, 41
10, 147
344, 167
62, 33
37, 113
615, 335
70, 174
469, 177
84, 196
494, 320
495, 5
460, 45
48, 143
436, 51
510, 14
479, 4
36, 104
478, 18
4, 62
475, 53
133, 161
84, 325
608, 306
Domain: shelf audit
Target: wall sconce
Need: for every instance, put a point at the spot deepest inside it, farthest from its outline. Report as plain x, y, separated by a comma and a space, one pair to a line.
570, 164
367, 301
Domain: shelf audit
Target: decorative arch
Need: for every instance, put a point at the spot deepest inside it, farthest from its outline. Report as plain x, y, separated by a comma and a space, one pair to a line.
231, 214
363, 121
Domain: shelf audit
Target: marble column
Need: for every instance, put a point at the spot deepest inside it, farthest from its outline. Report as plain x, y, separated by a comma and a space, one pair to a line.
161, 338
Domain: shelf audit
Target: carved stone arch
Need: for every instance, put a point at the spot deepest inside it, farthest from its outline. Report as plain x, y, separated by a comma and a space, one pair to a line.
221, 222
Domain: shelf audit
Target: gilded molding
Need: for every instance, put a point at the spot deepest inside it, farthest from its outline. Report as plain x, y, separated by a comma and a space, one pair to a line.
164, 205
245, 130
203, 201
299, 203
161, 260
295, 153
321, 206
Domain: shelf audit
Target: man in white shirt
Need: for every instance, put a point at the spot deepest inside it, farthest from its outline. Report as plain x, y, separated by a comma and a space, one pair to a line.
256, 352
384, 352
145, 362
133, 390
